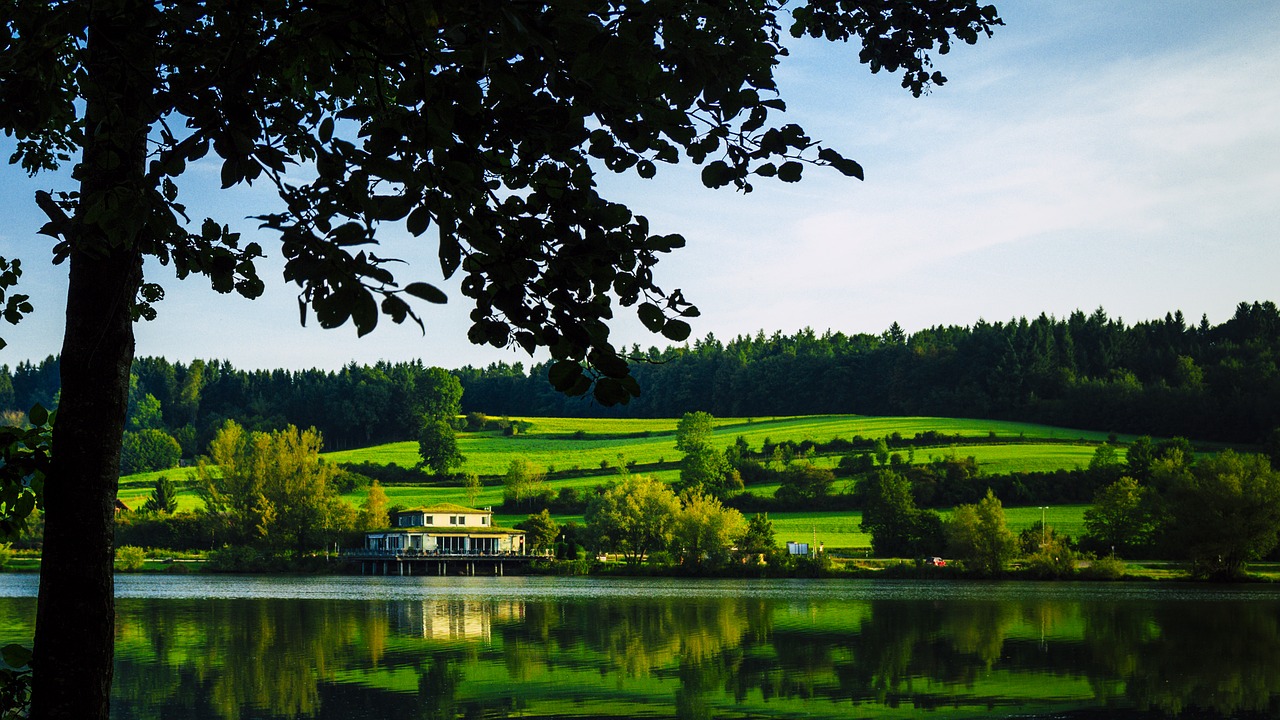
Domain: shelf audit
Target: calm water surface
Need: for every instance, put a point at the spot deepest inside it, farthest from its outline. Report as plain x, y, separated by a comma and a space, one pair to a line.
235, 647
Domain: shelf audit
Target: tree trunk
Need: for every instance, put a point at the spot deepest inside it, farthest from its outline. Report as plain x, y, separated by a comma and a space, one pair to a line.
75, 619
75, 616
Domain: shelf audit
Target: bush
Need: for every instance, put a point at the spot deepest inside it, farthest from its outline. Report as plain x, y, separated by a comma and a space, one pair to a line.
147, 450
661, 559
240, 559
347, 481
1104, 568
812, 566
182, 531
755, 473
389, 474
1052, 563
130, 558
6, 554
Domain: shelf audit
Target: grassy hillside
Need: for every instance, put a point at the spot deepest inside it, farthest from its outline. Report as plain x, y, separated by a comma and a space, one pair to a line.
569, 443
593, 448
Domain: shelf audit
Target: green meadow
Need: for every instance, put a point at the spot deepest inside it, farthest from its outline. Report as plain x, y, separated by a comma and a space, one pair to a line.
574, 443
582, 453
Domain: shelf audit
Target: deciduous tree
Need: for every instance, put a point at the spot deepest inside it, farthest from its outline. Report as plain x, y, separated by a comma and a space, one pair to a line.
898, 528
471, 483
438, 446
1120, 518
705, 531
694, 431
373, 512
979, 537
439, 395
804, 482
149, 449
542, 530
759, 538
523, 483
703, 469
1225, 511
273, 488
633, 517
488, 120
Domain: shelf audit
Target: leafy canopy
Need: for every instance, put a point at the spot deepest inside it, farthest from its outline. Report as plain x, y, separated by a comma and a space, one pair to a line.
979, 537
634, 517
484, 123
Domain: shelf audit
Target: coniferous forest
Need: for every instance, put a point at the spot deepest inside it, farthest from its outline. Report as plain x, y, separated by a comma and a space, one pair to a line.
1164, 377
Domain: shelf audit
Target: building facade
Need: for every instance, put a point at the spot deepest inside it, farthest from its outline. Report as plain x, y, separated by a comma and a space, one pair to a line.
445, 529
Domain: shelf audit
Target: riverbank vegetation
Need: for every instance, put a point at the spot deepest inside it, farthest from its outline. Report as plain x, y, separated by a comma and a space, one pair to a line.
858, 501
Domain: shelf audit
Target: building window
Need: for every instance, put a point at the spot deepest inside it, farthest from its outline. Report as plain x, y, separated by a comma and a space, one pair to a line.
462, 519
484, 520
431, 520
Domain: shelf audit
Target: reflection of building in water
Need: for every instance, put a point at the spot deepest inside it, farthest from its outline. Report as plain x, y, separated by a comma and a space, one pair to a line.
455, 618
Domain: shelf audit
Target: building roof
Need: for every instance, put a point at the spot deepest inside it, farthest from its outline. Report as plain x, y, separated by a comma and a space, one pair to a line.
445, 508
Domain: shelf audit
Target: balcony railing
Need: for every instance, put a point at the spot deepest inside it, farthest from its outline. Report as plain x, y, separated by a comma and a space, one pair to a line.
408, 553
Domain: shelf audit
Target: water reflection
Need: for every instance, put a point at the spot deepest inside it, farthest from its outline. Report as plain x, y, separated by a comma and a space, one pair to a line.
693, 657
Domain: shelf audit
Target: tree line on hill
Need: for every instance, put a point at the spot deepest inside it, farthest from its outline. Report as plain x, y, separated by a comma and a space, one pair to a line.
176, 409
1162, 377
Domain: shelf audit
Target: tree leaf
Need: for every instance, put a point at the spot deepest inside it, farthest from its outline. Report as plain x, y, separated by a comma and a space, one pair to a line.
610, 392
418, 221
652, 317
564, 374
430, 293
16, 656
364, 312
717, 174
790, 171
677, 330
395, 308
841, 163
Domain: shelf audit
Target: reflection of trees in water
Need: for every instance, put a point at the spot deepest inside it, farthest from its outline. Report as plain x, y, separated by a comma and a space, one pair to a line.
329, 659
1202, 658
1112, 633
896, 645
636, 637
978, 628
229, 656
698, 641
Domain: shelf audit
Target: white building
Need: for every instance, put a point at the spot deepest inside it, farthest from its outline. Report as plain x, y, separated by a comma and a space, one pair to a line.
445, 529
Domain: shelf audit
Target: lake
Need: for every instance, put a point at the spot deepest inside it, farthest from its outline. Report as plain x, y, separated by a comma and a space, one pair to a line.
230, 647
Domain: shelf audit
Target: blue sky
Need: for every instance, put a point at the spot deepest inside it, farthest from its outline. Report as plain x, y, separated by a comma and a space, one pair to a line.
1122, 155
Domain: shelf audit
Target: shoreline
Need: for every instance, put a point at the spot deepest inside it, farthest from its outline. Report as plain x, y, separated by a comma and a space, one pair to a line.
1151, 571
